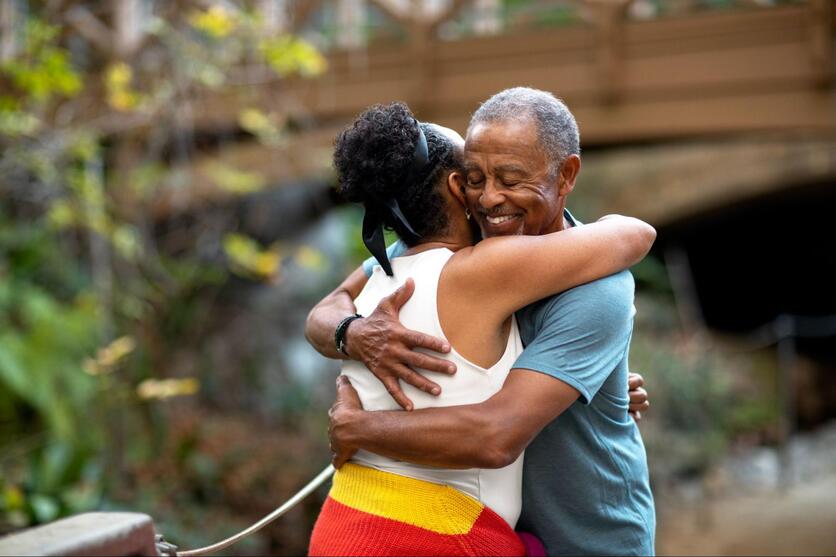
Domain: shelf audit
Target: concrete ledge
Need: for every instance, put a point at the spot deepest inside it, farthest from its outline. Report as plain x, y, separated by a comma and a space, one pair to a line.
95, 534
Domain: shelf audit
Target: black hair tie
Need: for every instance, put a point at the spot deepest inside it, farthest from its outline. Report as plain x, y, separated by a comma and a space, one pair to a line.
379, 208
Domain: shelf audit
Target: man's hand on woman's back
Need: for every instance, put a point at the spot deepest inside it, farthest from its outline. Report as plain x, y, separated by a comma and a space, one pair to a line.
387, 348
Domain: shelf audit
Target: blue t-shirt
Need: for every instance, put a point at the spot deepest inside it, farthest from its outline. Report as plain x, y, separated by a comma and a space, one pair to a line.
397, 249
586, 488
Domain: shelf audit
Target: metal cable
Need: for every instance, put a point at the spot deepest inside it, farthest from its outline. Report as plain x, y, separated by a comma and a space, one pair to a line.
165, 548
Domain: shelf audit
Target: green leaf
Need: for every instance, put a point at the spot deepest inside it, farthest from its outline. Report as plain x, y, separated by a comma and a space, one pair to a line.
126, 240
44, 507
247, 258
216, 22
17, 123
289, 55
233, 180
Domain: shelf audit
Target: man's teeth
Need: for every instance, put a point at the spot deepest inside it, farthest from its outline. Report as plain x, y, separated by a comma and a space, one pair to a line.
500, 219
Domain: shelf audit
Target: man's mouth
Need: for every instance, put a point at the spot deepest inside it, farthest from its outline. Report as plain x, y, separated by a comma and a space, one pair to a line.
499, 219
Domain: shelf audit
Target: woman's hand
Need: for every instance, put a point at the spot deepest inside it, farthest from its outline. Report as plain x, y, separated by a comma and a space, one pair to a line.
387, 348
639, 401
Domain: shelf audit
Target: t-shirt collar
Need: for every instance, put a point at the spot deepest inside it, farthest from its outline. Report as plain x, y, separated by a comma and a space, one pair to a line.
568, 216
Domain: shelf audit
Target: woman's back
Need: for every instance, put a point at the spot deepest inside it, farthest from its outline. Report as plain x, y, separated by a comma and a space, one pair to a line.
498, 489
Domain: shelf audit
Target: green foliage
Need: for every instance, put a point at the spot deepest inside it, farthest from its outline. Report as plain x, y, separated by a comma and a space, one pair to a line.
651, 276
92, 306
290, 55
261, 125
216, 22
248, 259
44, 71
42, 345
41, 73
234, 180
703, 397
118, 82
60, 480
14, 122
48, 326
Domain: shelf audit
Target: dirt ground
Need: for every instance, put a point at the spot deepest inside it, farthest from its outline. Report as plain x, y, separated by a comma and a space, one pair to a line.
800, 520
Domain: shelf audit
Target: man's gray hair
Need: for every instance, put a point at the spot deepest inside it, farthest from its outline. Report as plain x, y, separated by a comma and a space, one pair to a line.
557, 129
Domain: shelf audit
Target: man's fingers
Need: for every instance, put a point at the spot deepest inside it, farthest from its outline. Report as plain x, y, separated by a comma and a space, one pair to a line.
638, 396
338, 459
399, 297
417, 360
417, 380
414, 339
395, 391
346, 393
634, 381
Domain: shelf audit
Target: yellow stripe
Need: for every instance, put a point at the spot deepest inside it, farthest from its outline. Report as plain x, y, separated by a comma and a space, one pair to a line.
431, 506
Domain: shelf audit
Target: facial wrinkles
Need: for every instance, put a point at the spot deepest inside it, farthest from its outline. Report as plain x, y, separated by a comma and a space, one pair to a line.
482, 184
513, 179
486, 200
501, 178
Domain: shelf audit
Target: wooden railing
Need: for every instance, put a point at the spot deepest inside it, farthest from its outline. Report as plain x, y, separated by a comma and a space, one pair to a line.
113, 533
710, 74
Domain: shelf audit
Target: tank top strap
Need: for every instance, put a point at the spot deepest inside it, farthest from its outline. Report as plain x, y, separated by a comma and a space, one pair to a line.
424, 268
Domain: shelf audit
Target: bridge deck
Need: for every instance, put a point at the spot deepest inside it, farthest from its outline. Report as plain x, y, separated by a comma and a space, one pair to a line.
709, 74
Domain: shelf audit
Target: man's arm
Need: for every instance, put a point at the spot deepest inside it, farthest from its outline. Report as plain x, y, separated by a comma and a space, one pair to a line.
378, 340
581, 338
491, 434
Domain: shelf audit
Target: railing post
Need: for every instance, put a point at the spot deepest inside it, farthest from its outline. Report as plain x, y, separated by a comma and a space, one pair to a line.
785, 330
609, 19
820, 41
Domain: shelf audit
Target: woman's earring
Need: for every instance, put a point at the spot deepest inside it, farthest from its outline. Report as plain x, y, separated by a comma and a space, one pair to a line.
467, 213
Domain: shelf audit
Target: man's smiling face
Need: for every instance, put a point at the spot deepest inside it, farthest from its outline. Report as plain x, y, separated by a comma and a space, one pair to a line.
510, 186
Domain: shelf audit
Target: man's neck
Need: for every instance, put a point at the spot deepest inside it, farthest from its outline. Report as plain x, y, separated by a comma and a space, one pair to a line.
561, 223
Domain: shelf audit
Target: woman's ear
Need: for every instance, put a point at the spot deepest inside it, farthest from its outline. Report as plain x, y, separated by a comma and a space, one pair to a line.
455, 183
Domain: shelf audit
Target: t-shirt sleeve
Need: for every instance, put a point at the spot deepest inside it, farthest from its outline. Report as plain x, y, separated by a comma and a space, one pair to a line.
581, 335
395, 250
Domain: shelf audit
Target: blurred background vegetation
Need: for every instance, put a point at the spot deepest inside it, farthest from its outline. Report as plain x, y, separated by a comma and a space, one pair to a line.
167, 220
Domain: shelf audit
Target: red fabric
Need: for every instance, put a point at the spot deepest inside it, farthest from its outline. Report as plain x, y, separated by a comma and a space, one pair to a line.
342, 530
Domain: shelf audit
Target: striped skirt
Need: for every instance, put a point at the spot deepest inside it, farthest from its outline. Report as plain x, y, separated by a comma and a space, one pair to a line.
369, 512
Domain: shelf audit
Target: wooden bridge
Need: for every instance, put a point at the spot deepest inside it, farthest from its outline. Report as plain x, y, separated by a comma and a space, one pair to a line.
626, 80
704, 75
633, 72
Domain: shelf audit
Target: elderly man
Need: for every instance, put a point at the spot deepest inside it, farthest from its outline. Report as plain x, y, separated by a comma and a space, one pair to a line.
585, 485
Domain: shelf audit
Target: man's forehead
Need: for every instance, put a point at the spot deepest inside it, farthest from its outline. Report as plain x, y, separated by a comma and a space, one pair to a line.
513, 138
501, 163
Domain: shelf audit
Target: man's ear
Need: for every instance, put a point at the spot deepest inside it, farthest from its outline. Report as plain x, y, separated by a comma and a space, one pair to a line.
569, 171
455, 184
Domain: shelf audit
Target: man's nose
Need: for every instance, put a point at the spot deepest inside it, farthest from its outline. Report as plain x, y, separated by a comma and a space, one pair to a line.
491, 195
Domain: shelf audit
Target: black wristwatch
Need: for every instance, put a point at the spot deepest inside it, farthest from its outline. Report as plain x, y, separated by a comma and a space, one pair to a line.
339, 334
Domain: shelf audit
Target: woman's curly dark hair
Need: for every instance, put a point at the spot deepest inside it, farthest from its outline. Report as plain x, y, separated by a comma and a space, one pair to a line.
373, 156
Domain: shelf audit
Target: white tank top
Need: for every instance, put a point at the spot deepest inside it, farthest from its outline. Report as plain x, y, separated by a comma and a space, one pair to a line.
499, 489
